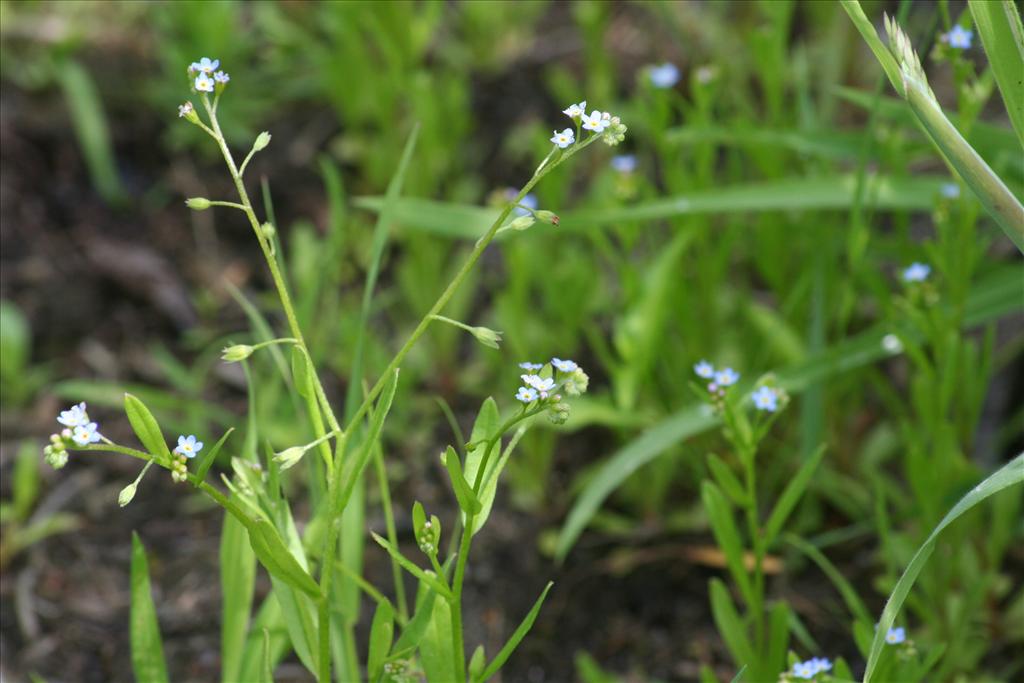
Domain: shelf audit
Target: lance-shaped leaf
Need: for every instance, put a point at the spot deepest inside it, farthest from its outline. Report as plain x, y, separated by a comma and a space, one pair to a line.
468, 501
146, 428
147, 648
520, 633
273, 554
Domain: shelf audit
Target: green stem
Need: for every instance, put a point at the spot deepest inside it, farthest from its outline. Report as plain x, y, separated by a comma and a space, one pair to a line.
755, 540
389, 523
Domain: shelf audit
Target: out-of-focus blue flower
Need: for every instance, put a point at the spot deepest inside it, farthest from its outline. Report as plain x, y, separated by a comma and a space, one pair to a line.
564, 365
221, 77
895, 636
663, 75
765, 399
205, 65
531, 366
959, 37
726, 377
704, 369
624, 163
529, 200
950, 190
916, 272
811, 668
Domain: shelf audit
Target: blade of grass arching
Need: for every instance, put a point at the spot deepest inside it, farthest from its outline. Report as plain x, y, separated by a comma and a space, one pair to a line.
147, 648
517, 637
237, 581
1011, 474
916, 193
997, 295
90, 124
1002, 36
846, 590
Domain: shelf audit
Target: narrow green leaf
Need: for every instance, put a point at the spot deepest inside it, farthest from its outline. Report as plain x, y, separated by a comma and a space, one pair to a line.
463, 493
436, 653
266, 659
299, 614
728, 482
300, 373
778, 637
489, 489
269, 620
414, 630
729, 624
419, 516
275, 556
476, 664
739, 674
1002, 35
1011, 474
381, 632
146, 428
520, 633
413, 568
147, 647
206, 462
25, 487
237, 581
846, 590
723, 526
791, 496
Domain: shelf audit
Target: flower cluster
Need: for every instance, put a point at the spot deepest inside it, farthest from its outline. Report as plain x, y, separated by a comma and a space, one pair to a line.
608, 126
718, 381
811, 668
205, 76
186, 449
541, 388
78, 430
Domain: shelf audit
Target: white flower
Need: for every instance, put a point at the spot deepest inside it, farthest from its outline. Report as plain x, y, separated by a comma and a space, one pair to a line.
576, 111
531, 366
85, 434
726, 377
564, 139
916, 272
188, 446
184, 109
527, 395
596, 121
205, 65
704, 369
221, 77
663, 75
892, 344
74, 417
564, 365
542, 384
204, 83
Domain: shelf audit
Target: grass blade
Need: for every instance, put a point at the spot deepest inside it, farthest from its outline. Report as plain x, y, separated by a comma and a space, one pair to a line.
520, 633
723, 526
1002, 36
147, 647
790, 496
729, 624
1011, 474
211, 457
237, 581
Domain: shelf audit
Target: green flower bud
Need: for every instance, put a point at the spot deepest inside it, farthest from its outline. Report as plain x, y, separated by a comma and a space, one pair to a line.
238, 352
558, 413
290, 456
486, 336
55, 457
127, 493
547, 217
198, 203
577, 383
522, 223
262, 140
268, 230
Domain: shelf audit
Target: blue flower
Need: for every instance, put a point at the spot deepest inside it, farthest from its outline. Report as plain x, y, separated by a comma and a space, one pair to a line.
564, 139
596, 121
205, 65
959, 37
85, 434
663, 75
188, 446
765, 399
704, 369
529, 201
726, 377
74, 416
895, 636
221, 77
527, 395
542, 384
576, 111
950, 190
204, 82
531, 366
916, 272
811, 668
564, 365
624, 163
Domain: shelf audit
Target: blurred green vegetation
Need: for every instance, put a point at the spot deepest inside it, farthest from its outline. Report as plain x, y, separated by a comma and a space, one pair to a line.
779, 191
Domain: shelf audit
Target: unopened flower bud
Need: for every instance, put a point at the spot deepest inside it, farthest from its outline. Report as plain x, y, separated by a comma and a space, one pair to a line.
268, 230
290, 456
486, 336
127, 493
238, 352
198, 203
522, 223
262, 140
547, 217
